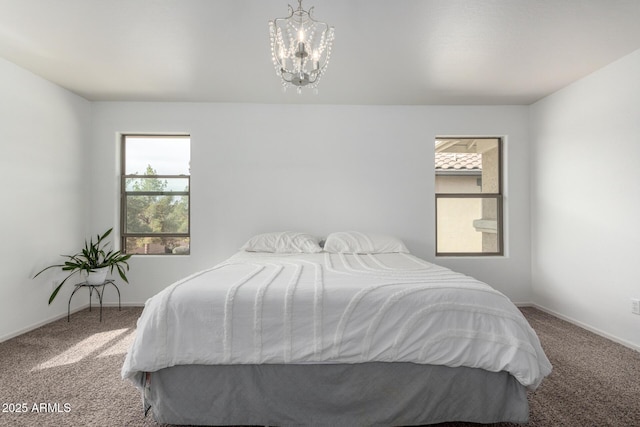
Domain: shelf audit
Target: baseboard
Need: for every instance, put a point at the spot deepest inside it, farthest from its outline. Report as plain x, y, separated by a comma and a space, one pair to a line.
523, 304
585, 326
39, 324
115, 304
62, 316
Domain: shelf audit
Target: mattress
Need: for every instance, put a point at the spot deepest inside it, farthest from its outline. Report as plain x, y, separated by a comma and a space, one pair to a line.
259, 308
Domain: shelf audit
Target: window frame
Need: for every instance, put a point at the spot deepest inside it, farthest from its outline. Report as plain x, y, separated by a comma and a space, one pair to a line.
124, 193
498, 196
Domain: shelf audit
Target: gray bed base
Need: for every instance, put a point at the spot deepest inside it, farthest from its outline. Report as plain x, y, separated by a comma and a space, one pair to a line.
369, 394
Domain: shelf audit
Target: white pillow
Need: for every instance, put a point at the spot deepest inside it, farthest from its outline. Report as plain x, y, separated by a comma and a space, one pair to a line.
283, 242
361, 243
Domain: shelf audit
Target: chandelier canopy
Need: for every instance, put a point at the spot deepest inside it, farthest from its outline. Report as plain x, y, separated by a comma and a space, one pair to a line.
300, 47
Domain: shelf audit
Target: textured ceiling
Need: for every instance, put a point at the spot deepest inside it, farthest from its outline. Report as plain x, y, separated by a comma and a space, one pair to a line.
385, 52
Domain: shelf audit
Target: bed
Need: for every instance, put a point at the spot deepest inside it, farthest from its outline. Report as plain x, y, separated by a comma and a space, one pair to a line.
360, 332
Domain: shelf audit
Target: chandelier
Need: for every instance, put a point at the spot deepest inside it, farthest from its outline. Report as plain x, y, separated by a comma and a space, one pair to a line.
300, 48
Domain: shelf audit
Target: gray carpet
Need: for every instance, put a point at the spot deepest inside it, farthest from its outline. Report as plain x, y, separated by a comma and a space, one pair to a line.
68, 374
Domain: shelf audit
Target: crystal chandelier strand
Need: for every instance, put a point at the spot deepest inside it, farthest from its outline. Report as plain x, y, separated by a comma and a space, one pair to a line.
300, 47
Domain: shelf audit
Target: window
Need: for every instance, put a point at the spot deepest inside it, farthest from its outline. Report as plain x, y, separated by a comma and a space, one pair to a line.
155, 197
468, 184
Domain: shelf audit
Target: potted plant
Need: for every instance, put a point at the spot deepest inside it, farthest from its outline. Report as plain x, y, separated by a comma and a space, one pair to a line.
95, 258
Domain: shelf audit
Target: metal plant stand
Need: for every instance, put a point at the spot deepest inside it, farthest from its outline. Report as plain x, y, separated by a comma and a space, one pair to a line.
99, 289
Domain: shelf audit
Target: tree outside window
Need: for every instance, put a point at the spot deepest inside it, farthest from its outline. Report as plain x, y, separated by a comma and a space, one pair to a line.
155, 203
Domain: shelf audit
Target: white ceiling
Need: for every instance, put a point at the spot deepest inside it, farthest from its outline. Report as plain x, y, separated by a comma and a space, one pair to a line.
385, 52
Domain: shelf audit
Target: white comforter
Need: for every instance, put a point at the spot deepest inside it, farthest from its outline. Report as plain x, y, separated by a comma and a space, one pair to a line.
334, 308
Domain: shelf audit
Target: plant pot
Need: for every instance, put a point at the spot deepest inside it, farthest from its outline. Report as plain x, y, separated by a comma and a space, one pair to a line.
98, 276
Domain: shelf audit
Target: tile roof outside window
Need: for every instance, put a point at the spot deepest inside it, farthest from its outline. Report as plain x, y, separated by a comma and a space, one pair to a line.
458, 161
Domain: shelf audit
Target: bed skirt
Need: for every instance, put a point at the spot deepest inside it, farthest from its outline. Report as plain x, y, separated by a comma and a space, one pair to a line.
368, 394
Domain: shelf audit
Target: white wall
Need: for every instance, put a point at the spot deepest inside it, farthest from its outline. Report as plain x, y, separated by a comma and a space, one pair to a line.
586, 200
327, 168
43, 135
258, 168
